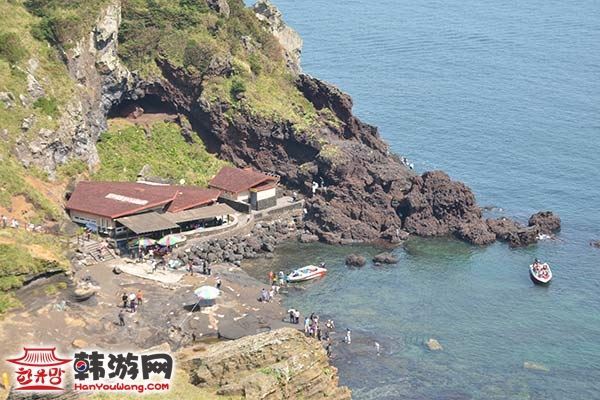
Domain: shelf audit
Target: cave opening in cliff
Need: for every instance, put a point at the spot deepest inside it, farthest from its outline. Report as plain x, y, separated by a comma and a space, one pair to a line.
147, 107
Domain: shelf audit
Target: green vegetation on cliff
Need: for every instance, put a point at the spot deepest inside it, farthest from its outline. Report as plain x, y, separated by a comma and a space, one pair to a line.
24, 254
125, 149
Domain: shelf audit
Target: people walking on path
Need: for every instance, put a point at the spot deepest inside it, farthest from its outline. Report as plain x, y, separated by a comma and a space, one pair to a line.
122, 317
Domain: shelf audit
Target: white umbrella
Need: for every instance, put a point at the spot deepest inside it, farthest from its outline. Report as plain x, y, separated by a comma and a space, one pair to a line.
207, 292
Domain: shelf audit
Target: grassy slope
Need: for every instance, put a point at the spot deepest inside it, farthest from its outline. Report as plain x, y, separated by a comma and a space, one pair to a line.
189, 34
125, 149
23, 253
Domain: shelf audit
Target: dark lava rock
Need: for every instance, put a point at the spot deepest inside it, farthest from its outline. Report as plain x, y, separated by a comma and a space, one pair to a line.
503, 227
524, 237
546, 221
385, 258
436, 205
476, 233
355, 260
268, 247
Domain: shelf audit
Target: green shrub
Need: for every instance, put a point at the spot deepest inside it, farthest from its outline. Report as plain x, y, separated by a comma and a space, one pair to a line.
10, 47
237, 87
198, 55
47, 105
255, 63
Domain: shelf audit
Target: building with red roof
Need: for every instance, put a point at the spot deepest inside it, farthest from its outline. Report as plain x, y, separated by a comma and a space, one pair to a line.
98, 205
245, 185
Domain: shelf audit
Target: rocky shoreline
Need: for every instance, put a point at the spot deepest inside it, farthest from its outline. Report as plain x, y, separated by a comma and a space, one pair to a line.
364, 193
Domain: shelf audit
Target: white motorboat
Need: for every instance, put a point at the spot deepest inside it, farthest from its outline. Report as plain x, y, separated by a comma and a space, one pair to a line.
306, 273
540, 273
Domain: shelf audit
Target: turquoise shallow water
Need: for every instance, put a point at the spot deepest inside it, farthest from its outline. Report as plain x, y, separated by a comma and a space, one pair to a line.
504, 96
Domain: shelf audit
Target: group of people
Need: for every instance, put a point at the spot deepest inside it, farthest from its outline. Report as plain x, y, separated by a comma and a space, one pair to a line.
540, 269
132, 300
276, 282
15, 224
267, 295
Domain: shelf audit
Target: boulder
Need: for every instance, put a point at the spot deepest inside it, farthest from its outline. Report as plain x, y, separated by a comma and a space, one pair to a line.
524, 237
79, 344
434, 345
268, 247
308, 238
385, 258
219, 6
355, 260
546, 221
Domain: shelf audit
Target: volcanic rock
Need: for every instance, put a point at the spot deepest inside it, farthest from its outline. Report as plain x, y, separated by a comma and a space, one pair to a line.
503, 227
308, 238
477, 232
546, 221
524, 237
355, 260
385, 258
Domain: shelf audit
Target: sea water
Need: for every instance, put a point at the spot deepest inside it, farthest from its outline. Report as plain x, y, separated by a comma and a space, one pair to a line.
504, 96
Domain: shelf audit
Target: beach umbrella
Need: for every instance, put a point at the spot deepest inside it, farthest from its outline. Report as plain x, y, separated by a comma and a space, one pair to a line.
171, 240
207, 292
144, 242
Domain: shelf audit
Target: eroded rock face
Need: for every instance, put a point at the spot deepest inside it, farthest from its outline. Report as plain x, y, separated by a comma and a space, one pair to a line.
94, 63
220, 6
281, 364
288, 38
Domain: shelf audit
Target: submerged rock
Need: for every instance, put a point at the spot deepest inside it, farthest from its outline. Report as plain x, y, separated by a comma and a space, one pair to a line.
535, 366
385, 258
595, 243
434, 345
355, 260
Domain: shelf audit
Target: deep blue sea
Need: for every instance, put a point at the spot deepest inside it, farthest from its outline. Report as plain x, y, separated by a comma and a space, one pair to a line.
505, 96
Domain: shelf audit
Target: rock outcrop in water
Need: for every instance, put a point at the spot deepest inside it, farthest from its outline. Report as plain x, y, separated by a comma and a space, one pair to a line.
281, 364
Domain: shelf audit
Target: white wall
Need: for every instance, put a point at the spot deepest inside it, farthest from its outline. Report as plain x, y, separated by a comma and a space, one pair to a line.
265, 194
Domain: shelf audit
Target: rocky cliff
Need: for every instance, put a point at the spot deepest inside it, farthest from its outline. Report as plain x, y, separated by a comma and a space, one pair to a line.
240, 85
281, 364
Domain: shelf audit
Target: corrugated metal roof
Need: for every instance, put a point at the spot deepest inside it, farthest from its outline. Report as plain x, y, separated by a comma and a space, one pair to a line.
148, 222
216, 210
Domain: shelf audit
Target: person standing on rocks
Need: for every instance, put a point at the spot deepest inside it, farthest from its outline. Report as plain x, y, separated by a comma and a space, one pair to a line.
348, 338
191, 268
271, 274
139, 297
218, 282
122, 317
124, 299
4, 221
296, 317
